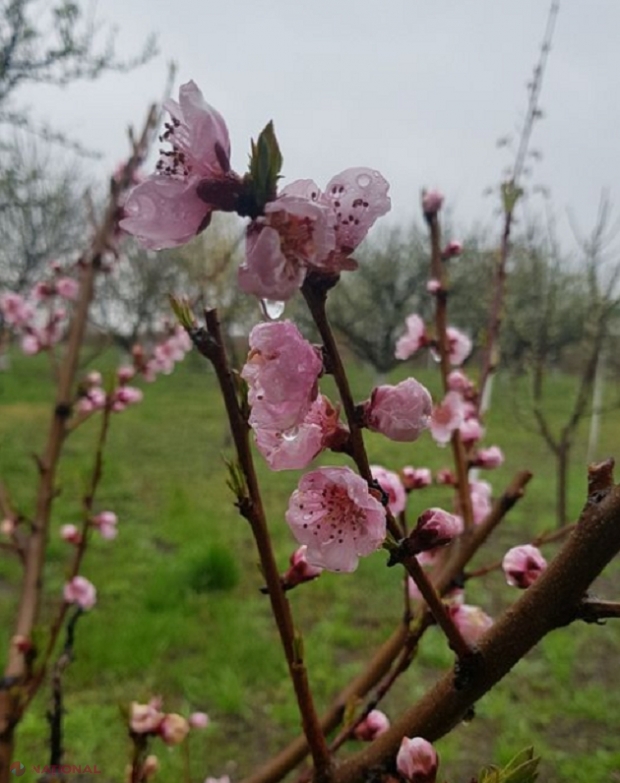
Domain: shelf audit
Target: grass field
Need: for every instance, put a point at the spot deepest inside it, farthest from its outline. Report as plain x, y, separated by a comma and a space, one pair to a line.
180, 613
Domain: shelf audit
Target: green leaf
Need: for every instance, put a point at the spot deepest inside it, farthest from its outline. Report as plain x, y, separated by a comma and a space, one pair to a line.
265, 165
523, 768
511, 193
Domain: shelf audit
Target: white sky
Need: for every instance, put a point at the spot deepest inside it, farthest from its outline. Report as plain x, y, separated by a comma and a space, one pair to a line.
420, 91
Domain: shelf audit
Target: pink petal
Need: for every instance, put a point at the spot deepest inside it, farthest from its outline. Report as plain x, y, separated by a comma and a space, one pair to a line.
358, 197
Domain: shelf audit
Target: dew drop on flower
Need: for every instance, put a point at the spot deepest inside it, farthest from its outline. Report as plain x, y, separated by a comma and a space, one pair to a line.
290, 434
272, 308
435, 354
363, 180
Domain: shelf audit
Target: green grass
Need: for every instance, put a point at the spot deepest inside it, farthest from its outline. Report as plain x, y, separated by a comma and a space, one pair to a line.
180, 612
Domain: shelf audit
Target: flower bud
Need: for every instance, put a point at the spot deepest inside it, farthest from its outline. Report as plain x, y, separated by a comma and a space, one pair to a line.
300, 570
489, 458
373, 725
417, 760
435, 527
173, 729
523, 565
431, 202
198, 720
471, 621
400, 412
145, 718
452, 250
415, 478
70, 534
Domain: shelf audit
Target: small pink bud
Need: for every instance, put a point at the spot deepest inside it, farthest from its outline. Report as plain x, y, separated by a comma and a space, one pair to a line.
417, 760
7, 526
471, 621
106, 521
94, 378
523, 565
414, 338
70, 534
173, 729
300, 570
433, 286
489, 458
459, 382
81, 592
30, 344
22, 643
445, 477
416, 478
198, 720
452, 250
400, 412
150, 766
67, 287
431, 202
435, 527
125, 374
145, 718
459, 346
471, 431
373, 725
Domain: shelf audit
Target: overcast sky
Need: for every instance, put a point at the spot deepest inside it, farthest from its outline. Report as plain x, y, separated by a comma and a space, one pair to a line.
420, 91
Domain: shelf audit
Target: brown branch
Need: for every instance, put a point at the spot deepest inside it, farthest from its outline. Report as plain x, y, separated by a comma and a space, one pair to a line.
594, 611
553, 601
211, 345
402, 642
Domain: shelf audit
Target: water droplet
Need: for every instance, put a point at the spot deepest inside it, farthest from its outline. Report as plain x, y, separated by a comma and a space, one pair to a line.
435, 354
290, 434
363, 180
272, 308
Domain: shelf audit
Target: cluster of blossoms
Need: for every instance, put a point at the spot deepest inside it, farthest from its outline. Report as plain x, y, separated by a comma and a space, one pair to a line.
172, 728
290, 233
40, 317
81, 592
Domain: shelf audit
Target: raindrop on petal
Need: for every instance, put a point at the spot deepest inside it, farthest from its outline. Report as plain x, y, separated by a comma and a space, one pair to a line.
272, 308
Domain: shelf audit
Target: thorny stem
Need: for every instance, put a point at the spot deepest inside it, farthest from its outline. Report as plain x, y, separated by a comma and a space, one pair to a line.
211, 345
443, 348
402, 642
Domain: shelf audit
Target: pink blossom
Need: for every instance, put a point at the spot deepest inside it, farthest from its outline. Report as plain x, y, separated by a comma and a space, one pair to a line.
333, 512
459, 382
433, 286
106, 521
31, 344
459, 346
435, 528
150, 766
124, 396
489, 458
523, 565
480, 492
7, 526
165, 209
16, 311
415, 478
67, 287
414, 338
374, 725
432, 201
471, 431
400, 412
358, 196
300, 570
471, 621
173, 729
417, 760
393, 487
145, 718
94, 378
223, 779
70, 534
81, 592
281, 371
447, 417
198, 720
95, 399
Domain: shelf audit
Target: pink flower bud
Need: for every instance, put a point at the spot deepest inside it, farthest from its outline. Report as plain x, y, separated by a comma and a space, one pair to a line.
7, 526
393, 487
173, 729
471, 621
459, 382
452, 250
433, 286
445, 477
106, 521
198, 720
432, 201
150, 766
300, 570
417, 760
459, 345
416, 478
81, 592
435, 527
125, 374
94, 378
70, 534
145, 718
523, 565
471, 431
30, 344
400, 412
489, 458
373, 725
